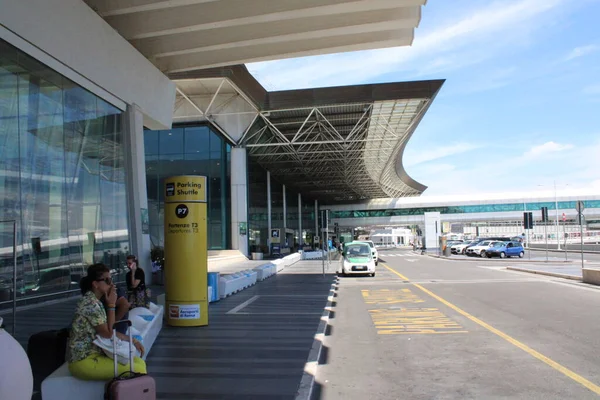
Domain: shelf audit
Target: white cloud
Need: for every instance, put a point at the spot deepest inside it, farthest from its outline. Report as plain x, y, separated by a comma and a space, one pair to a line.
582, 51
413, 158
470, 40
547, 148
574, 170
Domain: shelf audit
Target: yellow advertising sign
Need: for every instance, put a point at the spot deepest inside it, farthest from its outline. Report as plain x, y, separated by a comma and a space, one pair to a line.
186, 251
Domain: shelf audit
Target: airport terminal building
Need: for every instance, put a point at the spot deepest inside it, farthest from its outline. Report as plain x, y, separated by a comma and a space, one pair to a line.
101, 100
87, 86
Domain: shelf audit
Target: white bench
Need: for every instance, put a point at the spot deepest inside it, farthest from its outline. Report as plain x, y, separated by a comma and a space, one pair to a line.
312, 255
236, 282
265, 271
61, 385
233, 283
251, 277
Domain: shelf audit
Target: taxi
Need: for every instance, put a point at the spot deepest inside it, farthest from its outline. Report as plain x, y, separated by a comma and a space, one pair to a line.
357, 259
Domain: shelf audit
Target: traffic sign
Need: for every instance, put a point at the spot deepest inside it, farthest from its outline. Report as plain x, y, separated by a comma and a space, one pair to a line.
579, 206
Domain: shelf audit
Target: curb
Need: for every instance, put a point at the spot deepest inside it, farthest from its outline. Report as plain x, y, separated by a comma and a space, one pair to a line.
307, 383
554, 274
479, 259
562, 251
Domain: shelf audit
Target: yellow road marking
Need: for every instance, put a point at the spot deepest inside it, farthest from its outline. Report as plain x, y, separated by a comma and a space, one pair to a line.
564, 370
394, 332
403, 320
386, 296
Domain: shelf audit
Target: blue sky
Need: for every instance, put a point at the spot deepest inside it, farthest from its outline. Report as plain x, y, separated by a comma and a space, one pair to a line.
520, 108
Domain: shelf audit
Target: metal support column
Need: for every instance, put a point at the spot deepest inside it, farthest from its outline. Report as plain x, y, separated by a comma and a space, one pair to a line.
581, 236
556, 209
269, 212
546, 236
300, 239
316, 221
284, 213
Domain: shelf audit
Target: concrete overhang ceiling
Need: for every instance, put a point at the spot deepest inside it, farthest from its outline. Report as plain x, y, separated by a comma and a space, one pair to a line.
186, 35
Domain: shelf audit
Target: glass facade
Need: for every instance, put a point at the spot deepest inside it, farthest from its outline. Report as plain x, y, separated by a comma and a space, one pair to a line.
480, 208
62, 179
276, 205
189, 150
257, 208
308, 221
258, 211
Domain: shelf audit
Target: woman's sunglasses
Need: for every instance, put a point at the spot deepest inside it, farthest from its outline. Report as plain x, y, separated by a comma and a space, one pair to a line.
108, 281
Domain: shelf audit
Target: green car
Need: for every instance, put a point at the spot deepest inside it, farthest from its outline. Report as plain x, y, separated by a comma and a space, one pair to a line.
357, 259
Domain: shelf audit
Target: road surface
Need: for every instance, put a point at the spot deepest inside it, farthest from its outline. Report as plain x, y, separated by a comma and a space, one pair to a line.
427, 328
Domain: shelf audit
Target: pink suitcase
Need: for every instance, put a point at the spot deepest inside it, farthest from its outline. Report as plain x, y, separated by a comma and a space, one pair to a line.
129, 385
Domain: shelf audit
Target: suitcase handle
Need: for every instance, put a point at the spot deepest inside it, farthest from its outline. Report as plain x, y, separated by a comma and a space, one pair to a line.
114, 340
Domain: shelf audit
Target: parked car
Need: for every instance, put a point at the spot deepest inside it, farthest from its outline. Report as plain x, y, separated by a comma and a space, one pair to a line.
480, 248
460, 248
505, 249
357, 259
374, 252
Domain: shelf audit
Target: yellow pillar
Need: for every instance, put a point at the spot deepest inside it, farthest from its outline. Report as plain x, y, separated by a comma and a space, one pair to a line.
186, 251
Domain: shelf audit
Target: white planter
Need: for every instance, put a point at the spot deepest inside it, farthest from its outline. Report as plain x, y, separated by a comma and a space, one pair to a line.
16, 379
257, 256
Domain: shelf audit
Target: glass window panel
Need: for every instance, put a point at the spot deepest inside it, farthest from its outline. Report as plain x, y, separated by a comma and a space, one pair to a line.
171, 141
83, 172
196, 157
215, 142
150, 142
9, 163
113, 199
57, 143
197, 139
43, 189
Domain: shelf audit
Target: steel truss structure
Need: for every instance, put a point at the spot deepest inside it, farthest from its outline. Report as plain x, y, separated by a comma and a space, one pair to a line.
342, 152
334, 151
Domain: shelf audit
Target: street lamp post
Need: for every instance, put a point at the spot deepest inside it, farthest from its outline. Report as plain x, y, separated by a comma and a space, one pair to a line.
556, 216
556, 210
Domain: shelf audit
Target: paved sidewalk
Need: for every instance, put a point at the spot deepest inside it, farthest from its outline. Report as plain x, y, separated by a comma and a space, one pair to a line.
561, 271
255, 346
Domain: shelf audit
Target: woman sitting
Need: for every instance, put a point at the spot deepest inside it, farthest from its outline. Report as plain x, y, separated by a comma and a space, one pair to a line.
136, 284
86, 360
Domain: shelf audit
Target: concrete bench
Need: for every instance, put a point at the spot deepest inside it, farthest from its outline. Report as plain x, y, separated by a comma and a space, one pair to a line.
265, 271
591, 275
312, 255
62, 385
230, 284
251, 277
